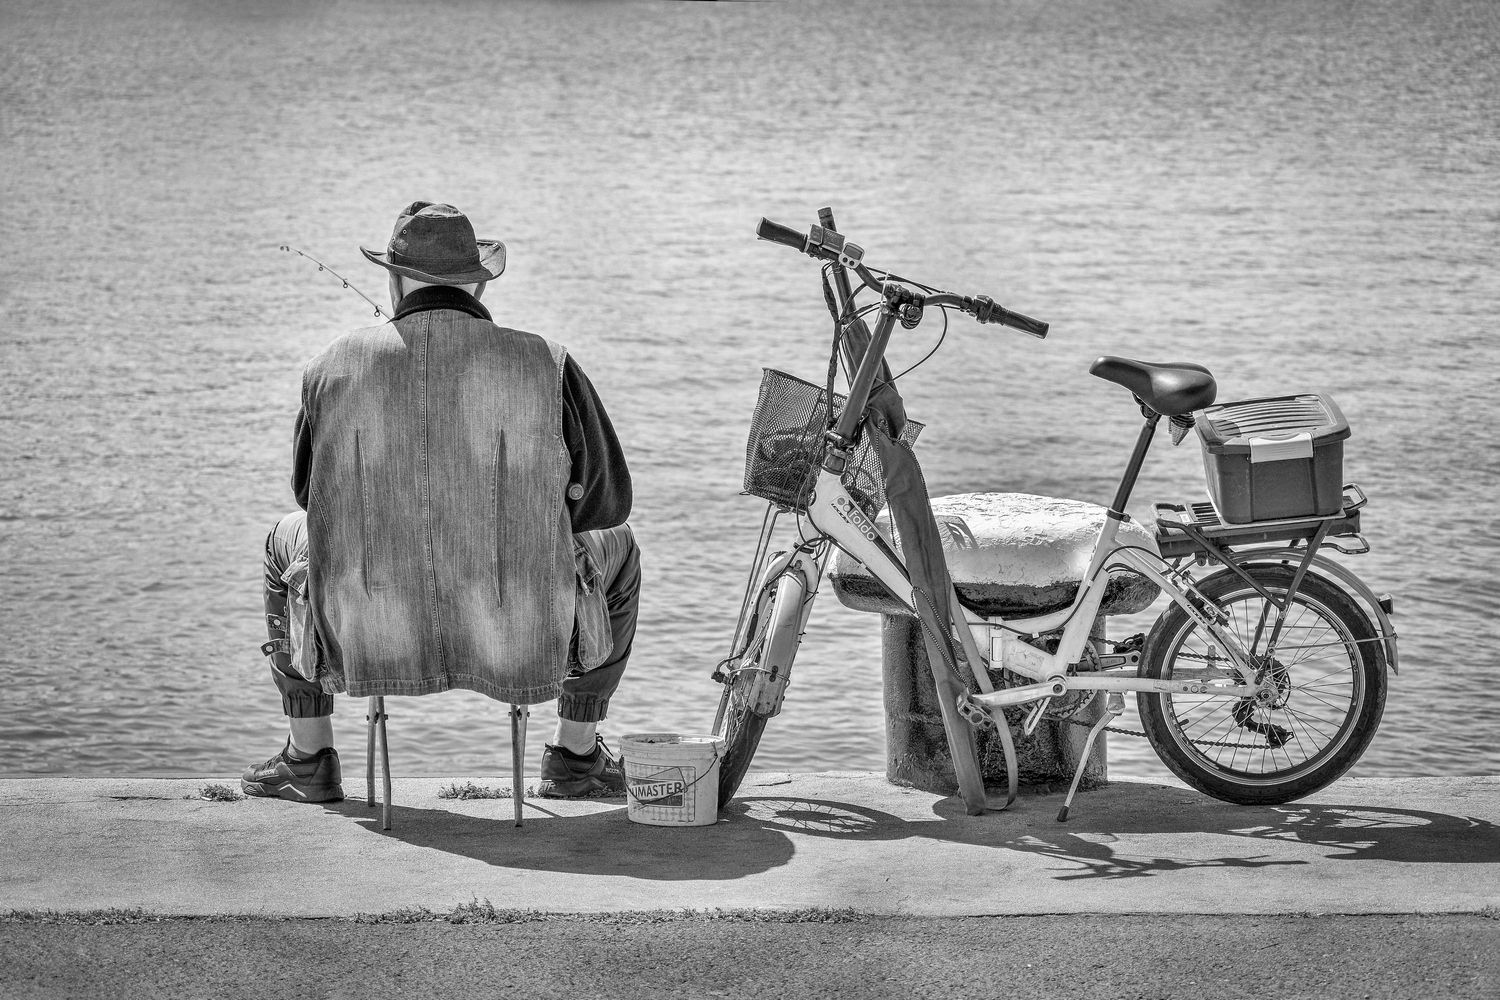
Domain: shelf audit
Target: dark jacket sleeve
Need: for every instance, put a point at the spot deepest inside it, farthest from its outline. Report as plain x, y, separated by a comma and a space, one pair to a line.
301, 457
302, 448
600, 477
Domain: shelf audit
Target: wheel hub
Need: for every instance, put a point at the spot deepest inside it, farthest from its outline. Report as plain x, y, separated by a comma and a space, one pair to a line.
1275, 685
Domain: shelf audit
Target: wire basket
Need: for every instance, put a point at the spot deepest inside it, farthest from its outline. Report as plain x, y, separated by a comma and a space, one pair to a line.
785, 451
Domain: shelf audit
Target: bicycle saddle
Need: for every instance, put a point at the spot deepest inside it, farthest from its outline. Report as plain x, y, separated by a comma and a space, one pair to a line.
1170, 389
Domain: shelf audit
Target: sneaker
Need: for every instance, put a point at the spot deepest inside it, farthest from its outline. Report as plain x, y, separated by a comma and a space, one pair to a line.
314, 779
567, 775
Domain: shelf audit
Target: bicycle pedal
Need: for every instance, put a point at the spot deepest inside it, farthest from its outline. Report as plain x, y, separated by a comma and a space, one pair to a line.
975, 715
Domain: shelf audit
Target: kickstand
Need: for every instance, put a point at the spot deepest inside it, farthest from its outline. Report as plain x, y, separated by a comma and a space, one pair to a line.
1113, 707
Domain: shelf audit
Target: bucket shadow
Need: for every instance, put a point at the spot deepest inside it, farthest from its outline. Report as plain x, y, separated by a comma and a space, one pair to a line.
594, 843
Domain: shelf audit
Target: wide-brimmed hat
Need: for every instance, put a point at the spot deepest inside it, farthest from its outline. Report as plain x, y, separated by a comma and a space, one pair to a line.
435, 243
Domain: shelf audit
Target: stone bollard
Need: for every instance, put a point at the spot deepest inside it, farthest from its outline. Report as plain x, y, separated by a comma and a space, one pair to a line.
917, 745
1010, 555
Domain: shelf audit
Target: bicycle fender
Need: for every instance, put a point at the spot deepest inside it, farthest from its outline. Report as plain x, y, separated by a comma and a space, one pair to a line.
794, 598
1342, 576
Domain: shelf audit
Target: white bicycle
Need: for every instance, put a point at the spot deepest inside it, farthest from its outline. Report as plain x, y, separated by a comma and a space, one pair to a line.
1262, 681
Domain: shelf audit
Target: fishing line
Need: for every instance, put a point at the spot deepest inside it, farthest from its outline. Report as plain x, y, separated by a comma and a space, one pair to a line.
324, 267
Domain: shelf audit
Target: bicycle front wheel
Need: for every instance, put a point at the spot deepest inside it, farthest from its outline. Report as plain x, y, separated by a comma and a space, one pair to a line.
741, 732
751, 692
1328, 696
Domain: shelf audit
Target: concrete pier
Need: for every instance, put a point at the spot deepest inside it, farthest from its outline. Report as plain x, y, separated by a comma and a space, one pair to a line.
789, 841
836, 885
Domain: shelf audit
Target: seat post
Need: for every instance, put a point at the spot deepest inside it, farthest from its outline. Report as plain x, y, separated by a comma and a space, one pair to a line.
1133, 470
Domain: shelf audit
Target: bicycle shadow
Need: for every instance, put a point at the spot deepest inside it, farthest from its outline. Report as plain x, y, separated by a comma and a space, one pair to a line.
601, 842
1108, 836
1104, 837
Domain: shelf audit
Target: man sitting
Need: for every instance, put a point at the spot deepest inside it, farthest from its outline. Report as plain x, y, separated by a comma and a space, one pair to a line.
464, 500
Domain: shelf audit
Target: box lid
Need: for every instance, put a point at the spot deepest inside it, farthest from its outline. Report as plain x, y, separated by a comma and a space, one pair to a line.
1273, 428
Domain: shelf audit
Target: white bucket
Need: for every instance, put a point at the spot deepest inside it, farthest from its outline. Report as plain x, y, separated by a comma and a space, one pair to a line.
672, 779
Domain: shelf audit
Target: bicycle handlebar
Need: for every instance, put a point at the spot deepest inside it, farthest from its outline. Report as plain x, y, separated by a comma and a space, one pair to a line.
987, 310
825, 244
785, 235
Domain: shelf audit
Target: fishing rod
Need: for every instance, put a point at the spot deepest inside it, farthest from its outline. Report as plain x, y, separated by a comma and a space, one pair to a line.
324, 267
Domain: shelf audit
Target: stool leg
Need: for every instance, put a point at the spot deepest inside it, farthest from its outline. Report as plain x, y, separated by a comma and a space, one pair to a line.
385, 769
518, 716
371, 714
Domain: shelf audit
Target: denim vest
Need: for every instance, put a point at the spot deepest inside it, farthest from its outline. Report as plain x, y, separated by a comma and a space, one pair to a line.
441, 554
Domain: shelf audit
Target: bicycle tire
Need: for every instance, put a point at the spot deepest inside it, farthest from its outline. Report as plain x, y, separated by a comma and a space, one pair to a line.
742, 725
1335, 686
742, 732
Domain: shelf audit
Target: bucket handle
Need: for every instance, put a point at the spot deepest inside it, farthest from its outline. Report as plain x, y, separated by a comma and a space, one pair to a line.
685, 788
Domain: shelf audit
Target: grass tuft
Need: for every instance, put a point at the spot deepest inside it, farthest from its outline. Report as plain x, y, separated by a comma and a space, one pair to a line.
469, 790
217, 793
132, 915
809, 915
478, 911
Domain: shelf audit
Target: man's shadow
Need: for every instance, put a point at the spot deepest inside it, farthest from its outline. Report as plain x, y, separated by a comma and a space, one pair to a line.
602, 842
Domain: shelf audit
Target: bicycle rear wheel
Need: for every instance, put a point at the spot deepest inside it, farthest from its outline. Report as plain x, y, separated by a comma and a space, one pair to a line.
1330, 691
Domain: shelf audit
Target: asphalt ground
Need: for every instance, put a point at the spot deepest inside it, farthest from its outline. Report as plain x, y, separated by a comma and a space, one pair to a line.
825, 956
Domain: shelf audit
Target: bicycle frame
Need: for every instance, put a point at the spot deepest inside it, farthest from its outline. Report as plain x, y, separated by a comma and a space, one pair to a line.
834, 516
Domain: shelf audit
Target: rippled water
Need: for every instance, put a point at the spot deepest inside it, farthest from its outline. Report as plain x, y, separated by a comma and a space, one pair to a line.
1299, 195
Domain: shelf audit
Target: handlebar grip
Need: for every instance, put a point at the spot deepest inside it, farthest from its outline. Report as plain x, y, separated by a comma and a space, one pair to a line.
1025, 324
987, 310
785, 235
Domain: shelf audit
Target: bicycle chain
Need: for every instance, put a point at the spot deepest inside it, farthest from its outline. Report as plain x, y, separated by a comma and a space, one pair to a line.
1132, 732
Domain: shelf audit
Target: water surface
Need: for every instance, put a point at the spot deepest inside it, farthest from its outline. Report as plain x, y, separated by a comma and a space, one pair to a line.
1299, 195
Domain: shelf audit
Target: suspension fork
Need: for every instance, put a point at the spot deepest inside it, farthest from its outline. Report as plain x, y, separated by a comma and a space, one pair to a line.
794, 577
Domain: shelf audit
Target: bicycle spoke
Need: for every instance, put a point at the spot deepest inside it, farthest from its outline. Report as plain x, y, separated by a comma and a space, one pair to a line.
1310, 644
1337, 708
1314, 688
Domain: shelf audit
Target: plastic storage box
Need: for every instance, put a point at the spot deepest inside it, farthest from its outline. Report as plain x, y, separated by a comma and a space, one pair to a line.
1274, 458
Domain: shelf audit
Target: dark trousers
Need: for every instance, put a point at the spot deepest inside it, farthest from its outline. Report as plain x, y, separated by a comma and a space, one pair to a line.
585, 693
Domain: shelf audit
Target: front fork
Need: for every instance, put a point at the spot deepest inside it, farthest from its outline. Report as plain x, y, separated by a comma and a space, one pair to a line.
771, 628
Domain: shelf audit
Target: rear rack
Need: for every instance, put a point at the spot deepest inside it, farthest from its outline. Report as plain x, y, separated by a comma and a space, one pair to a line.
1177, 523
